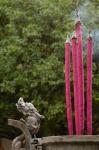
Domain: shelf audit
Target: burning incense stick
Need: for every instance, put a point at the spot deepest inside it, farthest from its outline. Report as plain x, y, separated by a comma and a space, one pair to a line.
74, 59
89, 85
80, 76
68, 94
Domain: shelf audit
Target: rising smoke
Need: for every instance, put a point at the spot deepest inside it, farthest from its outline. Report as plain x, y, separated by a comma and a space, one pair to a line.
89, 14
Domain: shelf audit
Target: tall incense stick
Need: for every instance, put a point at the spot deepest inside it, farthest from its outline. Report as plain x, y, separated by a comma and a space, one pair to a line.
80, 76
68, 94
74, 59
89, 85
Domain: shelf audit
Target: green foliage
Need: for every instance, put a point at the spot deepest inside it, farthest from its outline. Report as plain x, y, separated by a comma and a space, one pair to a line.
32, 35
95, 97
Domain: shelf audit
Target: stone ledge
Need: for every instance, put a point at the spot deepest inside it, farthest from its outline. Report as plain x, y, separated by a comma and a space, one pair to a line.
71, 139
85, 142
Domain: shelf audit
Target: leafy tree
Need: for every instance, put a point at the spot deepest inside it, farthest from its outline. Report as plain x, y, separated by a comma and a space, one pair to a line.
32, 57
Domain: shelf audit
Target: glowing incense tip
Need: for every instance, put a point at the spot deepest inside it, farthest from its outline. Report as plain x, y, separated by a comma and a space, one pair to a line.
77, 20
67, 40
90, 35
74, 36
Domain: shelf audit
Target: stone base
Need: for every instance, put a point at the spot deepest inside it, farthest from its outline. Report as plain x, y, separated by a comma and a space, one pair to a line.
83, 142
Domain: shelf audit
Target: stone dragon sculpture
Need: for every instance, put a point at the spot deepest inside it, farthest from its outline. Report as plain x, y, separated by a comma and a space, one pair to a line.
32, 116
31, 121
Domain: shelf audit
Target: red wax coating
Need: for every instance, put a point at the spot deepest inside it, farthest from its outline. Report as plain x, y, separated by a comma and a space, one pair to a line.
68, 94
74, 60
89, 85
80, 76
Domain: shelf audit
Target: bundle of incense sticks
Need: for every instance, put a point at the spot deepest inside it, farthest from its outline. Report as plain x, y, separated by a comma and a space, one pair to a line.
78, 77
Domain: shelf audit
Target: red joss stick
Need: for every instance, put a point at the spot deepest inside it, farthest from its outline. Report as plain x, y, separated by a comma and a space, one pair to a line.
74, 59
80, 76
68, 94
89, 85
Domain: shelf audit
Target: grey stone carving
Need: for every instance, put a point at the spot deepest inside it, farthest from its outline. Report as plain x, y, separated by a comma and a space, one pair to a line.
23, 140
32, 116
29, 126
